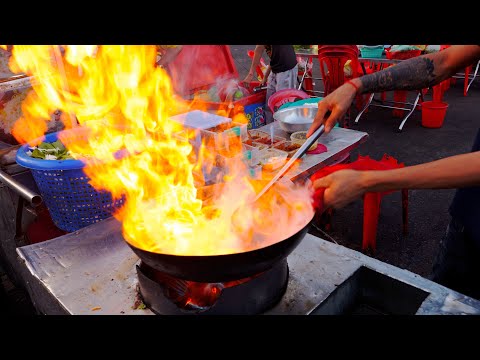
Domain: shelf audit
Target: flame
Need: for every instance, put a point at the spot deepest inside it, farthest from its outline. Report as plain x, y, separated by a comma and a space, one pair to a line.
121, 105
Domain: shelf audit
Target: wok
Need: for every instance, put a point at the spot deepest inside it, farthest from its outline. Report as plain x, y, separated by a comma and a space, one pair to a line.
221, 268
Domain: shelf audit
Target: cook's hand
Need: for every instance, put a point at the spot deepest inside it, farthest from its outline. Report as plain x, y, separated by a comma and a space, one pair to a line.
341, 187
248, 78
336, 103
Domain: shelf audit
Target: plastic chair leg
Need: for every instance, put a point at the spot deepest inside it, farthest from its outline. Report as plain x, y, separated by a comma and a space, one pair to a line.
383, 96
399, 97
308, 86
371, 212
405, 211
360, 101
438, 92
465, 82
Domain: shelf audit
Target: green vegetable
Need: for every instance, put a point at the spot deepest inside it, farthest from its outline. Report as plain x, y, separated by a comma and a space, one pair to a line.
59, 145
56, 150
38, 154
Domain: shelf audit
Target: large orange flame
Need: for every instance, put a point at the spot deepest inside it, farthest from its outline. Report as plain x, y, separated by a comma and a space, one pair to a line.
123, 105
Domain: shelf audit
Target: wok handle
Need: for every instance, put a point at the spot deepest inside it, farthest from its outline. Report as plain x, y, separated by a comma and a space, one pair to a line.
23, 191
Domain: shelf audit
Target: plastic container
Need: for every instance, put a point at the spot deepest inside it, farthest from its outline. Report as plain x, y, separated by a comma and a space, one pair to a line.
72, 202
372, 51
197, 119
433, 114
254, 135
272, 159
300, 137
268, 140
402, 55
285, 96
288, 146
219, 137
252, 153
225, 160
255, 172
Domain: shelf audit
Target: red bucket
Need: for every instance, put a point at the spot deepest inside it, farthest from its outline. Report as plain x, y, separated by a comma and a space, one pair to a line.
433, 113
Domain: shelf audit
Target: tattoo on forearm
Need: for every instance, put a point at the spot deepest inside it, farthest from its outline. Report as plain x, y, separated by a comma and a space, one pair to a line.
417, 73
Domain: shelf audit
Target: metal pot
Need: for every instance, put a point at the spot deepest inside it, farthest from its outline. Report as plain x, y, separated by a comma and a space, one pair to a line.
298, 118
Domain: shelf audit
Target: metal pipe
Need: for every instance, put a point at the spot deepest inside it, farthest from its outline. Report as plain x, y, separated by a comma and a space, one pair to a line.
13, 78
24, 192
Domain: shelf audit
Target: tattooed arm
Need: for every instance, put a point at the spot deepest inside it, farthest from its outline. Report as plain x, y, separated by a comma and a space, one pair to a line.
416, 73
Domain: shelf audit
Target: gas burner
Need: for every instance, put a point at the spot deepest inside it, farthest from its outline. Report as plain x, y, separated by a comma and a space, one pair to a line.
167, 295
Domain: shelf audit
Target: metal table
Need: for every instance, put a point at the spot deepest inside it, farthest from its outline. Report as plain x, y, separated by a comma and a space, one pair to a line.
382, 61
312, 53
339, 142
92, 271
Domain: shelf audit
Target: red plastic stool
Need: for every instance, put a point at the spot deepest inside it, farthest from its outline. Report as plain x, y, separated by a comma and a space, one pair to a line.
371, 201
285, 96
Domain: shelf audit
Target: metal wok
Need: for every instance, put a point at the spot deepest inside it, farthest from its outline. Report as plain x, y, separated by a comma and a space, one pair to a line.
221, 268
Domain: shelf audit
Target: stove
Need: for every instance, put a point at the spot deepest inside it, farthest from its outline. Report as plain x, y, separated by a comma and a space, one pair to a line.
167, 295
93, 271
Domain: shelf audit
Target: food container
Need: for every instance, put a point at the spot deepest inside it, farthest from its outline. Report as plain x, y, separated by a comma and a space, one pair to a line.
289, 147
255, 172
254, 135
272, 159
254, 144
257, 137
252, 153
225, 160
224, 136
197, 119
300, 137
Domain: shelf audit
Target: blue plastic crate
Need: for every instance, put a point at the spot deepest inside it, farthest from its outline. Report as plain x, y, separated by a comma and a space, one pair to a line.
255, 114
372, 52
72, 202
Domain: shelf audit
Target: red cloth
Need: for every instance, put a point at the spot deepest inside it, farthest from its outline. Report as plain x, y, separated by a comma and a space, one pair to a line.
372, 200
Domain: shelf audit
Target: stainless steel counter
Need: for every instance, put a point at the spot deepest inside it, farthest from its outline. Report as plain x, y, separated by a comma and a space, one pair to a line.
92, 271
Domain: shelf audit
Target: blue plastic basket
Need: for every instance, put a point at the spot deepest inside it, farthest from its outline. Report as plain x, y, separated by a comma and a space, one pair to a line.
72, 202
372, 52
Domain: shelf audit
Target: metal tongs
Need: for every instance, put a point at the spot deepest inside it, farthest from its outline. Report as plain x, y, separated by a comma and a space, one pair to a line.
259, 88
300, 152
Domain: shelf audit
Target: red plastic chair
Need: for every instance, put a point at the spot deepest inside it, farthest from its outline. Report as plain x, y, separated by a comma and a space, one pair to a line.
285, 96
466, 79
371, 201
307, 83
332, 59
260, 66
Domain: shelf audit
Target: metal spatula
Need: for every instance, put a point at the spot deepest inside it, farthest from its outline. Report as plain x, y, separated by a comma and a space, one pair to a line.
300, 152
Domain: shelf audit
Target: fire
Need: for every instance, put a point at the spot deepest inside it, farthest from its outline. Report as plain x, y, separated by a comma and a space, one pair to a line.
123, 104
